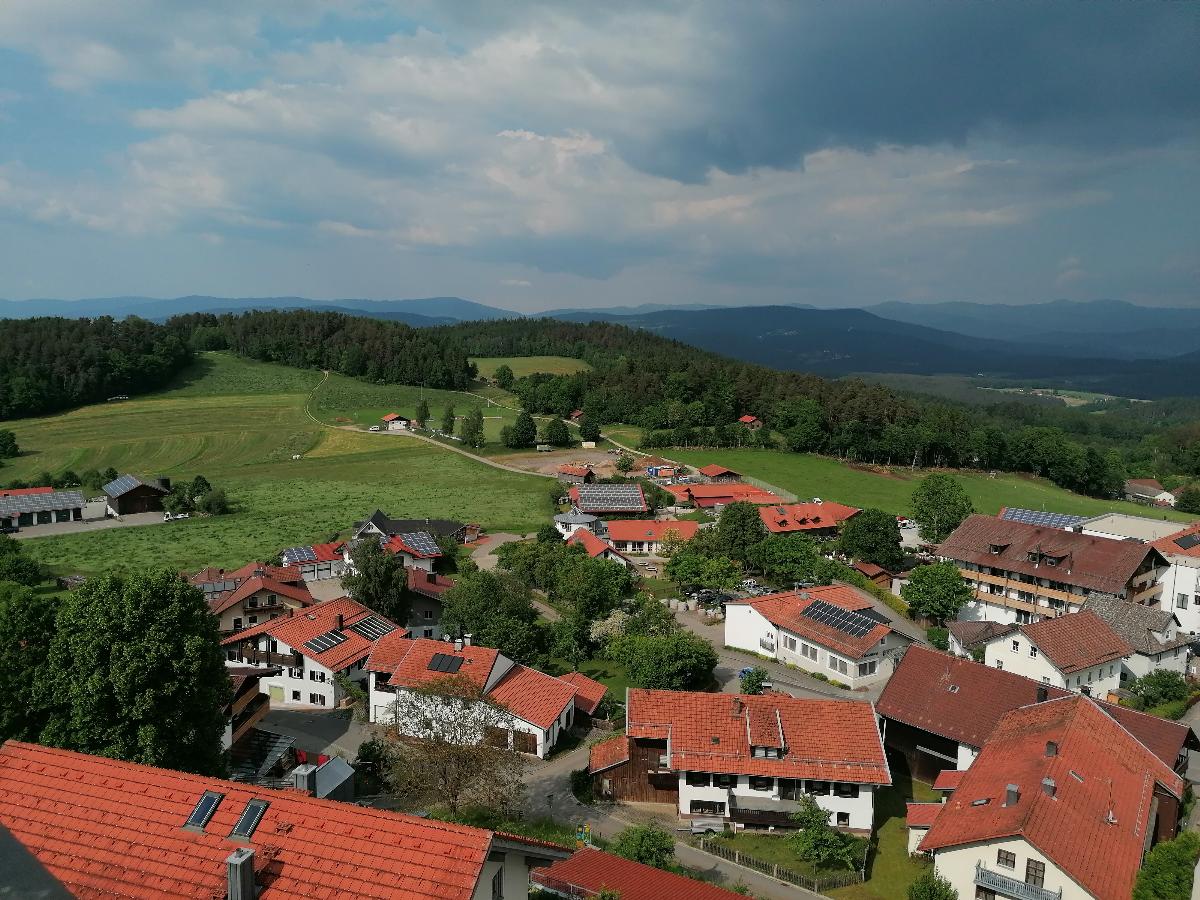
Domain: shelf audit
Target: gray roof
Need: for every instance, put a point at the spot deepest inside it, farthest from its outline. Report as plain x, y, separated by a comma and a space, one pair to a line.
1041, 517
575, 518
332, 774
126, 483
33, 503
976, 634
1136, 623
611, 498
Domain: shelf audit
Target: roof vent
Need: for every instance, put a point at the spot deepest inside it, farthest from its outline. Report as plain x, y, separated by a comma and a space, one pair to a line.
1012, 794
1076, 776
737, 706
953, 689
239, 873
1111, 818
1049, 788
715, 739
1052, 748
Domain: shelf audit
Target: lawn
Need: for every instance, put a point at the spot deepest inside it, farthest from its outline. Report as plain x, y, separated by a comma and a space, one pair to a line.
610, 674
773, 848
530, 365
239, 423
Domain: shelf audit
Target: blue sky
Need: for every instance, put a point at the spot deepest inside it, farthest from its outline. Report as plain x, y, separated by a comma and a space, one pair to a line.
576, 154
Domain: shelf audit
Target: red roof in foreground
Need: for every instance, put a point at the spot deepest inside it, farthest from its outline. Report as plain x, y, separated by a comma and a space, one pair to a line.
25, 492
588, 691
1077, 641
921, 815
533, 696
963, 700
791, 517
786, 611
834, 740
1095, 825
650, 529
588, 871
106, 828
293, 630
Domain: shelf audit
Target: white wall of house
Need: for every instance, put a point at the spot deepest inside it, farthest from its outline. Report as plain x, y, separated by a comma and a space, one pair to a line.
1140, 664
261, 606
849, 812
309, 684
1181, 589
957, 865
915, 836
966, 756
1016, 653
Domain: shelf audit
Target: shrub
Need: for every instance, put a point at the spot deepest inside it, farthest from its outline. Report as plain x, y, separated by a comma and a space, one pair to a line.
940, 638
647, 844
931, 886
1167, 871
582, 786
1159, 687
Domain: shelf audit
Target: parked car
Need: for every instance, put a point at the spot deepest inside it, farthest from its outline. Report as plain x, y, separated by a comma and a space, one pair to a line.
9, 529
374, 428
905, 523
172, 517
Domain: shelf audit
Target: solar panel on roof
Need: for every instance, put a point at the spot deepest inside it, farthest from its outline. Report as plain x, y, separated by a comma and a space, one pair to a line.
204, 809
1041, 517
614, 497
249, 819
1187, 542
323, 642
852, 623
444, 662
297, 554
33, 503
372, 628
422, 542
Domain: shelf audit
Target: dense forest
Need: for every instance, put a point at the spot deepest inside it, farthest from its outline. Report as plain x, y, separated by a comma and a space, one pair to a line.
49, 364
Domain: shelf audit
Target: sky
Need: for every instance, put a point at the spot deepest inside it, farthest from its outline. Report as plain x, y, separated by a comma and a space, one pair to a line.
574, 154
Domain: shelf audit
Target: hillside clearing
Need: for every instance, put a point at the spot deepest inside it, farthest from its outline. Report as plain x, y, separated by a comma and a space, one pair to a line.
530, 365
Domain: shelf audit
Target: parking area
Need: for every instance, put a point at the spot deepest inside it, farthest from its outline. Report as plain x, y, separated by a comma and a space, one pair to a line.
130, 521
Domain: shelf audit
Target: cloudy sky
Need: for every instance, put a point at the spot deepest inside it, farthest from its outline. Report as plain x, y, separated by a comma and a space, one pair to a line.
578, 154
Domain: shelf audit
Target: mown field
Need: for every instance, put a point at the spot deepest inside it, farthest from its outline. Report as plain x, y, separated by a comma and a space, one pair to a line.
239, 423
530, 365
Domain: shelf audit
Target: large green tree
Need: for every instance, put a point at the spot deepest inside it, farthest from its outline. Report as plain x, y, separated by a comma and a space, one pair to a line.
472, 429
649, 844
504, 376
380, 581
939, 505
497, 610
1189, 500
739, 530
679, 661
521, 434
556, 433
817, 842
135, 671
15, 566
691, 568
787, 558
26, 629
448, 419
1169, 868
936, 592
422, 415
873, 536
8, 444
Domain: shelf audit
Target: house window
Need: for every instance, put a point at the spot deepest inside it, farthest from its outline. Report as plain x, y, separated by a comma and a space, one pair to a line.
724, 781
697, 779
428, 614
498, 884
789, 643
296, 696
1035, 873
237, 624
807, 650
428, 632
253, 620
838, 665
707, 808
790, 789
761, 783
295, 673
867, 668
843, 820
1006, 858
818, 788
1181, 601
1045, 679
1016, 646
848, 791
316, 699
231, 655
314, 675
1032, 652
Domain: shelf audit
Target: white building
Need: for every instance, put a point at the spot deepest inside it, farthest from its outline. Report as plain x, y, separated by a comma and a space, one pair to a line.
1003, 833
311, 647
833, 630
1153, 634
317, 562
1181, 582
1080, 652
536, 708
569, 522
1124, 527
598, 548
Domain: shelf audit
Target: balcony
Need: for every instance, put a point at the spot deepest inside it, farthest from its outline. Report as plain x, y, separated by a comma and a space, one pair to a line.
257, 657
250, 715
767, 644
1012, 887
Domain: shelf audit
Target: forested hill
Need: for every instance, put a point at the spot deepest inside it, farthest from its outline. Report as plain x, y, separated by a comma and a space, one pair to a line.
48, 364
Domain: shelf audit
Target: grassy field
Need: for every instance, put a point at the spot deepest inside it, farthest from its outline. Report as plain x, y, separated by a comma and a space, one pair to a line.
530, 365
239, 423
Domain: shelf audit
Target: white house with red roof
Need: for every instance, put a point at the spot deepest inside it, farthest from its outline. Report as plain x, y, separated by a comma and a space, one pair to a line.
597, 548
647, 535
1181, 581
317, 562
311, 646
589, 871
129, 830
746, 759
1062, 804
818, 518
540, 706
256, 599
832, 629
1079, 652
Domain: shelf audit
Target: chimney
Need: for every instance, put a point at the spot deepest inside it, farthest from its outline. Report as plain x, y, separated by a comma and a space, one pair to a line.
341, 620
1012, 794
1049, 788
304, 778
1042, 694
458, 644
239, 873
467, 640
1051, 748
1111, 818
291, 611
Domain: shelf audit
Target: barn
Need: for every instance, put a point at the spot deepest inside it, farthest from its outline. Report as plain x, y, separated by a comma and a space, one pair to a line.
25, 508
128, 494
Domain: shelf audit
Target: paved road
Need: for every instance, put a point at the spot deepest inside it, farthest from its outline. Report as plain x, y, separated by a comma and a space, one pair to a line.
335, 731
132, 520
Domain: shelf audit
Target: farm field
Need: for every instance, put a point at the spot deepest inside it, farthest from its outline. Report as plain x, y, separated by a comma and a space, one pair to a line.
530, 365
239, 423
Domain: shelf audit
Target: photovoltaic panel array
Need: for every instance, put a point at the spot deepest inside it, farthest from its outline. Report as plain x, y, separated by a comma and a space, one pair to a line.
323, 642
614, 497
218, 587
33, 503
422, 542
293, 555
1188, 541
372, 628
444, 662
852, 623
121, 485
1041, 517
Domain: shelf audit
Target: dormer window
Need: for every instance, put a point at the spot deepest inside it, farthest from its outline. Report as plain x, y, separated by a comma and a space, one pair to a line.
996, 549
1032, 556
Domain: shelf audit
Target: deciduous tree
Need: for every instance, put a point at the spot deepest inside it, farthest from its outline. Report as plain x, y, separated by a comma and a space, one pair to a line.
678, 661
556, 433
380, 581
753, 681
422, 412
448, 419
818, 842
26, 629
936, 592
16, 566
929, 885
589, 430
651, 845
504, 376
939, 505
739, 530
497, 610
873, 536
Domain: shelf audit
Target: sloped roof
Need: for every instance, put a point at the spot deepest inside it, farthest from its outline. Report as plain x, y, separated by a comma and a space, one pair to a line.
390, 526
1093, 563
948, 779
608, 498
429, 584
747, 419
712, 470
314, 621
650, 529
786, 518
588, 871
107, 828
608, 753
251, 586
1144, 485
1096, 824
594, 546
787, 610
577, 471
834, 740
963, 700
977, 633
123, 484
1185, 542
588, 691
709, 495
533, 696
406, 660
1137, 623
418, 545
1076, 641
15, 504
921, 815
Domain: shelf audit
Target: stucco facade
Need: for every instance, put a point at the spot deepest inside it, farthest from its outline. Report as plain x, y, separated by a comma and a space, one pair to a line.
1181, 589
1016, 653
975, 865
851, 806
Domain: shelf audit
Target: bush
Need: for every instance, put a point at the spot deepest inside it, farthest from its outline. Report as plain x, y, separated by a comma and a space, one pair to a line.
1168, 869
940, 638
1158, 688
752, 682
647, 844
931, 886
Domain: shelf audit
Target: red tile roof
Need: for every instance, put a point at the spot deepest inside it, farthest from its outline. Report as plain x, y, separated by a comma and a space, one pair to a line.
608, 753
1077, 641
577, 471
25, 492
397, 544
588, 692
391, 417
1093, 563
785, 519
1096, 824
977, 633
650, 529
589, 871
747, 419
1169, 546
592, 545
251, 586
407, 660
709, 495
1151, 483
712, 470
533, 696
106, 828
293, 630
286, 574
948, 779
921, 815
428, 583
786, 611
835, 740
868, 569
963, 700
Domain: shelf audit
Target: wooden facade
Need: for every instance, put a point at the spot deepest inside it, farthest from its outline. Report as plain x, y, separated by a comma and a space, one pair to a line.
641, 778
141, 499
927, 754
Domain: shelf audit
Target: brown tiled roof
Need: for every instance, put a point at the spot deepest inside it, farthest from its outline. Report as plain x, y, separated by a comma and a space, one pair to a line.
793, 517
1095, 826
786, 611
1077, 641
306, 624
594, 546
978, 633
1093, 563
252, 586
533, 696
712, 470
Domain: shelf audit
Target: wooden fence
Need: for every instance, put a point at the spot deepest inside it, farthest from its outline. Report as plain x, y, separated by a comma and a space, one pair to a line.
778, 872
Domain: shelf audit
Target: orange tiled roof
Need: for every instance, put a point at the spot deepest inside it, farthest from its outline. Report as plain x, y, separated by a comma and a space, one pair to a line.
1077, 641
921, 815
786, 611
747, 419
592, 545
1177, 544
397, 544
407, 660
835, 740
948, 779
577, 471
588, 692
791, 517
106, 828
1073, 828
649, 529
708, 495
608, 753
589, 870
533, 696
251, 586
307, 624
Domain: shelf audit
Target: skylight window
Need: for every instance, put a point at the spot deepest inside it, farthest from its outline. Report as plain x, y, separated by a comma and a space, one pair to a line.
204, 809
982, 801
250, 818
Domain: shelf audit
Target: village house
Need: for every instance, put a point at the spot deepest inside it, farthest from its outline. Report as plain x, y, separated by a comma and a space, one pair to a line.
1079, 652
714, 474
1181, 581
818, 518
598, 548
258, 598
968, 636
1152, 634
317, 562
379, 523
395, 422
716, 496
575, 473
877, 575
416, 550
750, 423
136, 830
938, 710
426, 590
1020, 572
1148, 491
540, 707
569, 522
832, 629
746, 759
128, 495
589, 871
608, 499
647, 535
1042, 815
29, 507
311, 647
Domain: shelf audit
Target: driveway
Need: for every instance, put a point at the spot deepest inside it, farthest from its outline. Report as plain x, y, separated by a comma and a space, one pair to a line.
132, 520
484, 555
334, 732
